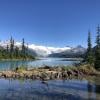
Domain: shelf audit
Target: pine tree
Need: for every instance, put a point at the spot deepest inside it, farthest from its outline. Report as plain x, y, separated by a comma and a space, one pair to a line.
23, 48
7, 49
16, 52
89, 56
13, 44
11, 47
98, 37
27, 50
97, 51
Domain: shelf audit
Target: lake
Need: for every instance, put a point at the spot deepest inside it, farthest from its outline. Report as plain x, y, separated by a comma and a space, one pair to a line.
6, 65
53, 90
70, 89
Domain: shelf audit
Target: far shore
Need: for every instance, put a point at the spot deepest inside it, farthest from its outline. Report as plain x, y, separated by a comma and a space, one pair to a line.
17, 59
37, 58
50, 73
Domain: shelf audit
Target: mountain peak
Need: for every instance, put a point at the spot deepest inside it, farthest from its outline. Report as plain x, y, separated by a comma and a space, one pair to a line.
79, 46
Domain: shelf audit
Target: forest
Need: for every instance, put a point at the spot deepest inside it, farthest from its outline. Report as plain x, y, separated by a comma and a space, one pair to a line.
93, 53
14, 52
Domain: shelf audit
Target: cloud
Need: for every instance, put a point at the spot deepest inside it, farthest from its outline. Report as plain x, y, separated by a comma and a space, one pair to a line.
48, 50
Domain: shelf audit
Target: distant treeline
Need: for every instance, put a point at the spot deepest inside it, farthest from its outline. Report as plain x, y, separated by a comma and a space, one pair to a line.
93, 53
14, 52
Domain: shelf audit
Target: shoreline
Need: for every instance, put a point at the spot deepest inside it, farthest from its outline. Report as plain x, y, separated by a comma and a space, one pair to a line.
18, 59
50, 73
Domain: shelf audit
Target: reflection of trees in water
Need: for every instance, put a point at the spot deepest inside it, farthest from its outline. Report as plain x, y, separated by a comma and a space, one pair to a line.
14, 64
91, 91
24, 95
97, 89
46, 85
28, 90
54, 96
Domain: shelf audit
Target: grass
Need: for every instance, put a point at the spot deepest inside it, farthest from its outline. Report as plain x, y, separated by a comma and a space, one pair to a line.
21, 69
86, 68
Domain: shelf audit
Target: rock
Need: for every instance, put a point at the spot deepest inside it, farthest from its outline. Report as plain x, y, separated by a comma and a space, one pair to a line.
69, 73
76, 72
46, 67
52, 76
44, 76
64, 75
7, 74
17, 75
58, 75
33, 77
46, 73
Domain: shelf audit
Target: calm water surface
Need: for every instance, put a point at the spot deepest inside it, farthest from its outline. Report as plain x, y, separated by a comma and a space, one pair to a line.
6, 65
52, 90
71, 89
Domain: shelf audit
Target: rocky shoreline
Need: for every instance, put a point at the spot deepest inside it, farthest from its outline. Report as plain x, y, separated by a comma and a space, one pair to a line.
50, 73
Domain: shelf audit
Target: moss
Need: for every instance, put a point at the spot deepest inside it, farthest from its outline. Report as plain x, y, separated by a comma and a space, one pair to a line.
21, 69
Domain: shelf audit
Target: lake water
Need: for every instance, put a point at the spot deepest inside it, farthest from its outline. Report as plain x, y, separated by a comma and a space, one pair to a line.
52, 90
6, 65
71, 89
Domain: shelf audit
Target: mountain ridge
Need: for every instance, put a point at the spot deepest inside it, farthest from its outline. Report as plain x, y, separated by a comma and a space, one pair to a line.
46, 51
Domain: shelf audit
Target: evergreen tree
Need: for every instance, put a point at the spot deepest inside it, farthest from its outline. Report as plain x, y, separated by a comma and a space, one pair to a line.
27, 50
89, 56
7, 51
97, 51
13, 44
7, 48
16, 52
98, 37
23, 48
11, 47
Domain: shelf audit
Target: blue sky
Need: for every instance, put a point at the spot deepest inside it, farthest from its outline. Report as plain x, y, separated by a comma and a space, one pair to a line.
49, 22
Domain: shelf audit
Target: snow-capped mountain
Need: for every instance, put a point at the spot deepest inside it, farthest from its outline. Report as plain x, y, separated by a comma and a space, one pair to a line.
44, 51
78, 51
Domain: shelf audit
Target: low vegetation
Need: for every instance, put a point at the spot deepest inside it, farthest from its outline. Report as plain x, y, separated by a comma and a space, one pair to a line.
51, 73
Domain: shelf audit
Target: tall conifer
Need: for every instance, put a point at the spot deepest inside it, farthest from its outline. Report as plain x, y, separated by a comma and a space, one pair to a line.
97, 51
90, 57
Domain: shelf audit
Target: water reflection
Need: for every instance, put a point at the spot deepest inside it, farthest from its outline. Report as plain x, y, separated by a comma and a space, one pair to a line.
51, 90
6, 65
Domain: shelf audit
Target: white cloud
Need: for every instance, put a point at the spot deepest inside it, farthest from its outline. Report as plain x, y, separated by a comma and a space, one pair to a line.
47, 50
39, 49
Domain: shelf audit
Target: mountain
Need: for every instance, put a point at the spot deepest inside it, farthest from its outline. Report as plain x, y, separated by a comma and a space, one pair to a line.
78, 51
44, 51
